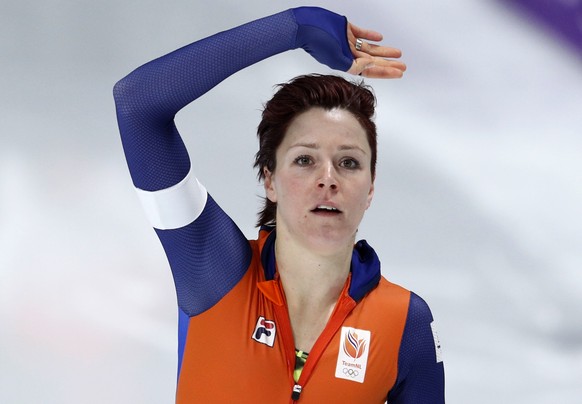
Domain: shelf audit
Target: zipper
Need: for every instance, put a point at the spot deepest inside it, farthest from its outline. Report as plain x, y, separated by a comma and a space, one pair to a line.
296, 393
343, 307
286, 333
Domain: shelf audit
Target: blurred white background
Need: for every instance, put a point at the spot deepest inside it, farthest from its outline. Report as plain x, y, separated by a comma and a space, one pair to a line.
478, 204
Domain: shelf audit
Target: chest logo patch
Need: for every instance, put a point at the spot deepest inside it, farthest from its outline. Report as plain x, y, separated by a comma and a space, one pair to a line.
265, 331
352, 358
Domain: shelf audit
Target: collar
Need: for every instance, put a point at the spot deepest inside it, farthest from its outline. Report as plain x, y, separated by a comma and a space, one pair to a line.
365, 266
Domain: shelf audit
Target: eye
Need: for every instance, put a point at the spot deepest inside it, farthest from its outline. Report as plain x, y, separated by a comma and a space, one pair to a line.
350, 163
303, 160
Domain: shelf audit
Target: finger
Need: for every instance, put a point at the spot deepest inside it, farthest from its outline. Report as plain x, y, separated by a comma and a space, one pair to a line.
388, 63
363, 63
382, 72
379, 51
359, 65
367, 34
355, 33
377, 68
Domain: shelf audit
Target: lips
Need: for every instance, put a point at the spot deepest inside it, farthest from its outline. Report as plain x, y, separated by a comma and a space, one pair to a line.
326, 209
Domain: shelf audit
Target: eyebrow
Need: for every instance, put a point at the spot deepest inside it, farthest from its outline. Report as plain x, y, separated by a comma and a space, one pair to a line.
316, 146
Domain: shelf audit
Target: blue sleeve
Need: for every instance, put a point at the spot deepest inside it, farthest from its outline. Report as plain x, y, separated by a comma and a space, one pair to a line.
324, 36
209, 256
421, 377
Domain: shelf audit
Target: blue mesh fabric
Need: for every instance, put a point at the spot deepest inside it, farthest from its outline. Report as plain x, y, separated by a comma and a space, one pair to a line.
149, 97
208, 257
420, 377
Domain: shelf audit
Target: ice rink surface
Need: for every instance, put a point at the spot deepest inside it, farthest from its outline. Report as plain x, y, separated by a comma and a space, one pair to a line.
478, 204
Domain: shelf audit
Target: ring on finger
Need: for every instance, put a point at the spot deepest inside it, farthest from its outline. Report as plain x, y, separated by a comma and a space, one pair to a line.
359, 44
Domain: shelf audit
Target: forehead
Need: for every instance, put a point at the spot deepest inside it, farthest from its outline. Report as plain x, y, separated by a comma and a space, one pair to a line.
320, 127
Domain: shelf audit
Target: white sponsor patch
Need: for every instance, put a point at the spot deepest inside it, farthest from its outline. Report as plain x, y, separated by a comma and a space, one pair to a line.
437, 343
352, 358
265, 331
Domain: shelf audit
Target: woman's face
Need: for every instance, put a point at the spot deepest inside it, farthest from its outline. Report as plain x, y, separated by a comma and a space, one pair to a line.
322, 182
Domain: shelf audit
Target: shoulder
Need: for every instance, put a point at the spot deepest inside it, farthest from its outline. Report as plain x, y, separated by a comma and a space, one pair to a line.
387, 301
420, 348
417, 307
419, 310
387, 289
385, 309
420, 364
411, 314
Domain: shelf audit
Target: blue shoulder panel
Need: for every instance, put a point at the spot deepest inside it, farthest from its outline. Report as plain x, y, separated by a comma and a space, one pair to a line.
420, 374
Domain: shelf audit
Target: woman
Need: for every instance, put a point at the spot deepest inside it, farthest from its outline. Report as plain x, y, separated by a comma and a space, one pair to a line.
302, 313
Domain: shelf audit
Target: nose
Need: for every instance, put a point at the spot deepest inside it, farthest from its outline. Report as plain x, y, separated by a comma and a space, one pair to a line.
328, 177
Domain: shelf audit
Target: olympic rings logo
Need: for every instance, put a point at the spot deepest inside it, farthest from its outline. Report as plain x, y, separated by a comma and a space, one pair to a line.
351, 372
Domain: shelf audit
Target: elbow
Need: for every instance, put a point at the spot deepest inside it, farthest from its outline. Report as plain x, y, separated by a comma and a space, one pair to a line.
122, 91
129, 98
136, 97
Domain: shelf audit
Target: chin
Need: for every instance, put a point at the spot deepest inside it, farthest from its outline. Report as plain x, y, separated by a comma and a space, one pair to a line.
328, 240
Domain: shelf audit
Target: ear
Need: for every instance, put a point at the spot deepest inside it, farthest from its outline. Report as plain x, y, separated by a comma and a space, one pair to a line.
370, 195
270, 192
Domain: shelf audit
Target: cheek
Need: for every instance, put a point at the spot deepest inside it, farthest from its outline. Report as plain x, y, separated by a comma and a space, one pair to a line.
294, 197
290, 188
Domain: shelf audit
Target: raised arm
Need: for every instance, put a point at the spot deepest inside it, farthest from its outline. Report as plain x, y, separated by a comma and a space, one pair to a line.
207, 252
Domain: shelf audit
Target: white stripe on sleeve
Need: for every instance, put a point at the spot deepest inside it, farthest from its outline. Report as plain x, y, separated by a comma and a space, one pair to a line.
176, 206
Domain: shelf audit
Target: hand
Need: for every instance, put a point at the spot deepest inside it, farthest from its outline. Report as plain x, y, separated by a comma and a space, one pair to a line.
374, 61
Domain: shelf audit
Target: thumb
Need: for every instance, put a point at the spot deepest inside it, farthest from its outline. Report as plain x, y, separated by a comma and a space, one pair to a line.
359, 65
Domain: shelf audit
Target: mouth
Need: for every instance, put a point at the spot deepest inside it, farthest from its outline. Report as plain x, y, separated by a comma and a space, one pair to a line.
326, 209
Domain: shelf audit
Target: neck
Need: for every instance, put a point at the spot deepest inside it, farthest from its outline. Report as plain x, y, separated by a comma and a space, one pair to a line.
308, 269
310, 279
312, 283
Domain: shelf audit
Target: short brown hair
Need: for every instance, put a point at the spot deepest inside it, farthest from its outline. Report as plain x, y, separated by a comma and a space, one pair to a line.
297, 96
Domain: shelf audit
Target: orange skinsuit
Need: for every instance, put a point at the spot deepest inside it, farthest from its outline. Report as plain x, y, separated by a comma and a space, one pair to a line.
224, 333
